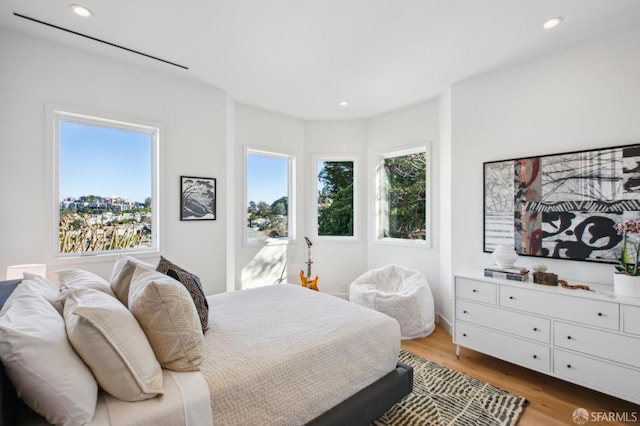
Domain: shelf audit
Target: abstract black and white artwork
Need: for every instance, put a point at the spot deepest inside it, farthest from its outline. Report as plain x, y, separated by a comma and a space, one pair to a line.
564, 205
198, 198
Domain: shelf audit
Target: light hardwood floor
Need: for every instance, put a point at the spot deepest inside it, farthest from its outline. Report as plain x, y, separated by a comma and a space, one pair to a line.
551, 401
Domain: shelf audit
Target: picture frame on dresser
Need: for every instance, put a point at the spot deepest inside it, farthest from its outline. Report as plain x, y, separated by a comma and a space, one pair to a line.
563, 205
197, 198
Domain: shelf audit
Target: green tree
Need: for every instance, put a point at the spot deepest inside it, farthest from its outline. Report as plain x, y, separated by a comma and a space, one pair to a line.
335, 199
406, 196
264, 209
280, 206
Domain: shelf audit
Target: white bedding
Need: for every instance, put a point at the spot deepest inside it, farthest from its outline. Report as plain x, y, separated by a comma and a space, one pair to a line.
185, 402
283, 354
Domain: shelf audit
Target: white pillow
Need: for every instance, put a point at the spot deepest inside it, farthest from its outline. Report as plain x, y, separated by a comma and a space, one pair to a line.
108, 338
81, 278
121, 276
35, 285
46, 372
166, 312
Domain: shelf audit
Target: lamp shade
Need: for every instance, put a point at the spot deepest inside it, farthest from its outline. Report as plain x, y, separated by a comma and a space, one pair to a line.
16, 271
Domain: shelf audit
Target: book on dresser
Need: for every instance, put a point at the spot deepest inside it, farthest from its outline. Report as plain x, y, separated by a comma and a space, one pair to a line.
512, 274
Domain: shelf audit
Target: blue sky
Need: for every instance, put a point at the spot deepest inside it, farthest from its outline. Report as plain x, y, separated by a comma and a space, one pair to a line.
266, 178
104, 161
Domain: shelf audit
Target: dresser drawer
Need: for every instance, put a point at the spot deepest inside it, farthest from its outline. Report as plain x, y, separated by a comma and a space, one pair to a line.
598, 343
512, 349
631, 319
609, 378
522, 325
586, 311
479, 291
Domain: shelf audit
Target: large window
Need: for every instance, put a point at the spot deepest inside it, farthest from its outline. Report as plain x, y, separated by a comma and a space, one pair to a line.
106, 192
335, 198
402, 196
269, 196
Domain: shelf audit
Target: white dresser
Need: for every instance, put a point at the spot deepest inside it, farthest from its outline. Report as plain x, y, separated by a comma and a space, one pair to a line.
588, 338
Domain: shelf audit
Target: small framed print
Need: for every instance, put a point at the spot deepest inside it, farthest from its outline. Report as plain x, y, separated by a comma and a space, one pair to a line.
197, 198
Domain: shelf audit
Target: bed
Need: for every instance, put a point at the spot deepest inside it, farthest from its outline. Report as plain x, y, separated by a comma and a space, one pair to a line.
280, 355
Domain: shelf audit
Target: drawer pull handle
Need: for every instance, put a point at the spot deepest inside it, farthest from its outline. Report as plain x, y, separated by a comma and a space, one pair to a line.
465, 312
568, 337
599, 314
511, 297
535, 328
535, 357
474, 290
464, 334
568, 365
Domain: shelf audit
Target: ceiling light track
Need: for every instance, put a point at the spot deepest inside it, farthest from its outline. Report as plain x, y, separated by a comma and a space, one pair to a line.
98, 40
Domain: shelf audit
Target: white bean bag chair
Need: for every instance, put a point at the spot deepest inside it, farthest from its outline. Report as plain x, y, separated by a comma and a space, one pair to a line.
401, 293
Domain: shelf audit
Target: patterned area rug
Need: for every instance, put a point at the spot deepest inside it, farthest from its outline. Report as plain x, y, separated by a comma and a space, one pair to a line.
442, 396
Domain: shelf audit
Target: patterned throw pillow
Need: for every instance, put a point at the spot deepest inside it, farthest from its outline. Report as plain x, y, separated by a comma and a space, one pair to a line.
192, 284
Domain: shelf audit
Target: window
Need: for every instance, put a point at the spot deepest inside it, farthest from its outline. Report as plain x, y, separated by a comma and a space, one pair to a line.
402, 196
335, 198
105, 177
269, 196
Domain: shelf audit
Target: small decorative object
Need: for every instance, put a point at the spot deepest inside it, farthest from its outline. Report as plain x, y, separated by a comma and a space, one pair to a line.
539, 267
307, 281
565, 284
504, 256
198, 198
546, 278
626, 280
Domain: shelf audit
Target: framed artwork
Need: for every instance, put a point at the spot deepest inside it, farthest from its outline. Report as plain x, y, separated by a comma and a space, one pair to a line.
197, 198
562, 206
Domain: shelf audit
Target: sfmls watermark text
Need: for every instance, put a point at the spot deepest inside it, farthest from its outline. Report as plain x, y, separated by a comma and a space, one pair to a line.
582, 416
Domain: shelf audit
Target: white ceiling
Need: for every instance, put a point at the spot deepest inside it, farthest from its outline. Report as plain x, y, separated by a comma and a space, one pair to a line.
301, 57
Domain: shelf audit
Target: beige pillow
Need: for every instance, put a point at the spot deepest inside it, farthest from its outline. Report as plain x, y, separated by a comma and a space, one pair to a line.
81, 278
110, 341
121, 276
36, 285
46, 372
166, 313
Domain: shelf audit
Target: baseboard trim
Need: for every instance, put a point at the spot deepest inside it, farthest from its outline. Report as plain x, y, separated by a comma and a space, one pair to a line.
448, 327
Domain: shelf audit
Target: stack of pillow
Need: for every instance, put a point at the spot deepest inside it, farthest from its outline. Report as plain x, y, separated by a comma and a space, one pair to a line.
59, 346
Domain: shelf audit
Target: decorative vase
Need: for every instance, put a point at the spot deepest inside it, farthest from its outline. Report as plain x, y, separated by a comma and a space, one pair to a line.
504, 256
626, 285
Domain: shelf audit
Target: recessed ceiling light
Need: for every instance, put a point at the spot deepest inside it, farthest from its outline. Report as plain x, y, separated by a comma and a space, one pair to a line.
343, 103
80, 10
552, 22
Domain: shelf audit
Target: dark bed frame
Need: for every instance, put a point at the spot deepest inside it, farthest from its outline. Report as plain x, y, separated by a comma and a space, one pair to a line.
360, 409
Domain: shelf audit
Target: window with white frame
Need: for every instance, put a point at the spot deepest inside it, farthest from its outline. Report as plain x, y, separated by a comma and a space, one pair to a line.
402, 196
105, 175
269, 196
335, 201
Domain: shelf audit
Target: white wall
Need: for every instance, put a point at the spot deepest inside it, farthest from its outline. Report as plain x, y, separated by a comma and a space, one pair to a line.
337, 263
580, 98
444, 207
267, 263
34, 72
402, 128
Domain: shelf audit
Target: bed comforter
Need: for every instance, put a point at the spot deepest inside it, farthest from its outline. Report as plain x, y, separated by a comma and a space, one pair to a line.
283, 354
